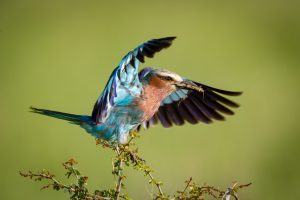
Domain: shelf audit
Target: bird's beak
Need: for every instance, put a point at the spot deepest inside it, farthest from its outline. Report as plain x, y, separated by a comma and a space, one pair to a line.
186, 84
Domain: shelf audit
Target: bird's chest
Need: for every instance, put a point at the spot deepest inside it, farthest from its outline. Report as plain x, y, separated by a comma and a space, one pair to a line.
151, 100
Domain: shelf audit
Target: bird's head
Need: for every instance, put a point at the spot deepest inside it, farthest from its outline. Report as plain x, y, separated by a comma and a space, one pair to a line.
165, 79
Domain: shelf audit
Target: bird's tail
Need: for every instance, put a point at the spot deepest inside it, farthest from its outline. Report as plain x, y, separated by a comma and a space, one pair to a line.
75, 119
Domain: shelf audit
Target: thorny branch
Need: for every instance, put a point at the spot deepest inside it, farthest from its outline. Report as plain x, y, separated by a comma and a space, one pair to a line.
77, 190
193, 191
119, 174
127, 155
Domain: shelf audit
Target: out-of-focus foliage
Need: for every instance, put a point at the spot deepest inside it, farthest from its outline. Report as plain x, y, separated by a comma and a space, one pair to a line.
59, 54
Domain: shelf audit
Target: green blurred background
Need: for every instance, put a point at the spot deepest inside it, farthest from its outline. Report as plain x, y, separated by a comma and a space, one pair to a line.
59, 54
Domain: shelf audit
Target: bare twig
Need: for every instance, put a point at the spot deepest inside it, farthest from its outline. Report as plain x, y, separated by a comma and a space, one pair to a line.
58, 185
158, 184
139, 163
119, 174
188, 182
232, 191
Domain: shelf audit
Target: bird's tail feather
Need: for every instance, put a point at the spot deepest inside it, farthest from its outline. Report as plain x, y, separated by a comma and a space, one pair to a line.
76, 119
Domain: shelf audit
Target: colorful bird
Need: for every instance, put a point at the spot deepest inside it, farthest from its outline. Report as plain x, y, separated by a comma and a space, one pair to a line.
133, 99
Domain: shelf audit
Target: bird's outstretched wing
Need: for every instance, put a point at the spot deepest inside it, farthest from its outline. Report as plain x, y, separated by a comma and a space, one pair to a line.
193, 106
124, 79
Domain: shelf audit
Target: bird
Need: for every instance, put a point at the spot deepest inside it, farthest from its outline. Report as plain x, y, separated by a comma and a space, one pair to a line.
133, 99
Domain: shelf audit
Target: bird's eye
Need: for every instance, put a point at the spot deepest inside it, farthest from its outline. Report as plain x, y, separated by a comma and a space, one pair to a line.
168, 78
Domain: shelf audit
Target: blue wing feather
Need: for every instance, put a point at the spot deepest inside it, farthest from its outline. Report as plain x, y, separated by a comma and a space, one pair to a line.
124, 83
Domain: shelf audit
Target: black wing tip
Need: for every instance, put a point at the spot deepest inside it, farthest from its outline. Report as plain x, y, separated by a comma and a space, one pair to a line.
221, 91
165, 41
36, 110
151, 47
235, 105
226, 92
33, 109
236, 93
171, 38
167, 38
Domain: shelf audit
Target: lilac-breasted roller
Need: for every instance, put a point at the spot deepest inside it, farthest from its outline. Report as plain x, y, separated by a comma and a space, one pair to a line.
133, 99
